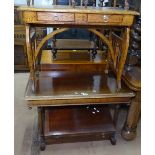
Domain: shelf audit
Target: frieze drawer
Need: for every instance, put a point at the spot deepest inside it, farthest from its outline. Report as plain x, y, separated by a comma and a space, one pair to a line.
50, 16
93, 18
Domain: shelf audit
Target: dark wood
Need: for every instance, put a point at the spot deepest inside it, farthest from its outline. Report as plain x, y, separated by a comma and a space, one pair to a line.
132, 78
82, 123
41, 115
17, 16
20, 53
57, 88
134, 53
68, 88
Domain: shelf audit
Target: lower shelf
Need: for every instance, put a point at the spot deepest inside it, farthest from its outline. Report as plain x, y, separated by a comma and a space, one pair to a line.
82, 123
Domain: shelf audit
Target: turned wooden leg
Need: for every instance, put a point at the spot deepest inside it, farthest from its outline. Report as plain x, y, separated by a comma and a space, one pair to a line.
129, 129
116, 112
113, 139
41, 115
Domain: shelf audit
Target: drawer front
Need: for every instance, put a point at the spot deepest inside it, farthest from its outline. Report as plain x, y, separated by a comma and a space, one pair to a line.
92, 18
61, 17
80, 18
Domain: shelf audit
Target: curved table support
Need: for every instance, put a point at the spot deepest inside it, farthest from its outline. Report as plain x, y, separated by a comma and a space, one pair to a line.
46, 38
52, 34
28, 46
125, 45
32, 56
105, 40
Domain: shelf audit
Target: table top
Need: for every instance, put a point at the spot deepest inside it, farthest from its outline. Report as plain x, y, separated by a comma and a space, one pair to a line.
78, 9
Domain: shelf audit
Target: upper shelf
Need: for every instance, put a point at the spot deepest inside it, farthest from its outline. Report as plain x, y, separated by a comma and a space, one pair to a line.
72, 88
78, 9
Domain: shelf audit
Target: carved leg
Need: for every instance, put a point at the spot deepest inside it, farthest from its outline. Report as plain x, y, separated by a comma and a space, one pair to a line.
29, 50
129, 129
30, 54
125, 45
41, 114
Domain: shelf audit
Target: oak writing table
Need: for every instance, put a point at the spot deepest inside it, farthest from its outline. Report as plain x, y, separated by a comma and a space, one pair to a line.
92, 18
64, 96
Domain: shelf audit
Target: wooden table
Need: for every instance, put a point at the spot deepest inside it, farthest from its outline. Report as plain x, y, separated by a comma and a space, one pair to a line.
92, 18
89, 86
62, 99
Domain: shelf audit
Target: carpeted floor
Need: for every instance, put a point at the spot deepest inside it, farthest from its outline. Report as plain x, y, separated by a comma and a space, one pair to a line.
26, 136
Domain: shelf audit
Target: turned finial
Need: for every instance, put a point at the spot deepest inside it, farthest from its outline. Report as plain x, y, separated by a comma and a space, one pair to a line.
126, 4
101, 3
54, 2
114, 3
94, 3
30, 2
73, 3
85, 2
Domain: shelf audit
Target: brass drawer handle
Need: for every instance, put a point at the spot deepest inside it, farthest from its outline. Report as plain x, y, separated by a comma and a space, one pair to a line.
105, 18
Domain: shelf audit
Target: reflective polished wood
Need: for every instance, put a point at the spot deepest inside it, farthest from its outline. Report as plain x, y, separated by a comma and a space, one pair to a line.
65, 17
82, 123
132, 78
82, 85
75, 88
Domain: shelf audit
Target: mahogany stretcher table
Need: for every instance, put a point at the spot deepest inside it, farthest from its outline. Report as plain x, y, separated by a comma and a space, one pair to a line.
83, 85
